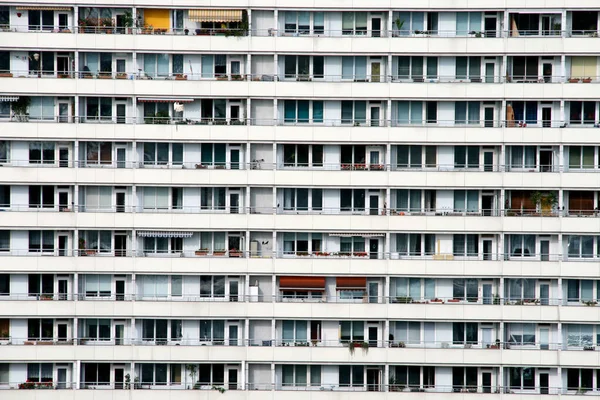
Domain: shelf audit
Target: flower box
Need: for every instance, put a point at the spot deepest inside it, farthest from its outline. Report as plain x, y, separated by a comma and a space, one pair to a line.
573, 80
6, 75
219, 252
121, 75
235, 253
454, 301
181, 77
587, 80
321, 254
360, 254
201, 252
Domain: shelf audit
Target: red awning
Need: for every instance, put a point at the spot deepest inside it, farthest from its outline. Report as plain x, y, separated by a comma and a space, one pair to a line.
157, 100
313, 283
351, 282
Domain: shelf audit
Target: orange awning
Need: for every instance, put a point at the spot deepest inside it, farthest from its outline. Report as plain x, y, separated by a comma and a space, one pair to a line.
302, 282
348, 282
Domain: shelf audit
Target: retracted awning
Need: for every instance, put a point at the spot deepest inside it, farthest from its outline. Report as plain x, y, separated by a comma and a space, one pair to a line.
359, 234
159, 100
43, 8
164, 234
215, 15
351, 282
308, 283
9, 98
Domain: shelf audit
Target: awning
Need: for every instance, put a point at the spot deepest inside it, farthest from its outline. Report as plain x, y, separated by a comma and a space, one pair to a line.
164, 234
157, 100
43, 8
360, 234
158, 18
349, 282
215, 15
9, 98
308, 283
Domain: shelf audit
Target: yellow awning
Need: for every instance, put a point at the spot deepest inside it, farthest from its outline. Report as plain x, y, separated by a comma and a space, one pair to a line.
157, 18
215, 15
43, 8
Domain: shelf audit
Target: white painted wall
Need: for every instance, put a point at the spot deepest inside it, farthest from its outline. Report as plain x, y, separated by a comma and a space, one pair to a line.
444, 200
446, 67
446, 157
445, 113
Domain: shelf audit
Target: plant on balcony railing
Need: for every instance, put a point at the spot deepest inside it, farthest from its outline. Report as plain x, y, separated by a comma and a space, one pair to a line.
402, 300
235, 253
352, 345
360, 254
321, 254
220, 252
35, 385
436, 300
590, 303
201, 252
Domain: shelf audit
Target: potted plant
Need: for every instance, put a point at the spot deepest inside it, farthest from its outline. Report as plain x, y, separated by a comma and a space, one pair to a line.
436, 300
180, 77
186, 31
121, 75
220, 252
403, 300
399, 24
587, 80
573, 80
235, 253
193, 370
201, 252
128, 21
544, 200
82, 247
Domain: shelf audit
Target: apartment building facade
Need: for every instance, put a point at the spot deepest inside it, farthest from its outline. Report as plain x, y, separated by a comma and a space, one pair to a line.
267, 199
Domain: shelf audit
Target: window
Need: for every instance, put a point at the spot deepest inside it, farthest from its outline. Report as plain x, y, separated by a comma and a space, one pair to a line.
579, 335
468, 67
580, 246
582, 157
520, 289
212, 331
465, 289
464, 378
211, 374
466, 156
156, 65
39, 372
354, 23
98, 285
410, 22
303, 111
41, 196
213, 241
352, 331
100, 108
41, 241
465, 245
41, 153
431, 112
97, 198
579, 290
213, 154
467, 22
521, 245
97, 329
40, 329
408, 332
154, 330
465, 332
96, 374
351, 375
176, 285
521, 334
354, 68
98, 153
212, 198
410, 68
154, 374
154, 286
212, 286
354, 112
100, 241
353, 157
408, 200
44, 64
4, 241
40, 284
41, 108
352, 199
525, 111
4, 284
302, 243
4, 23
294, 375
411, 287
299, 67
294, 332
156, 198
522, 156
302, 155
521, 378
410, 376
355, 244
582, 112
580, 379
466, 112
298, 22
415, 244
299, 199
4, 148
466, 200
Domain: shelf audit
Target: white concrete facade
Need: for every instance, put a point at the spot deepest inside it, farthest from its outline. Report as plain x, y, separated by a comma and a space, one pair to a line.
265, 199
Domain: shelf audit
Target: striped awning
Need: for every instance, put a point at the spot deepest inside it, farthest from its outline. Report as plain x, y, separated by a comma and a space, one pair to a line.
9, 98
43, 8
158, 100
359, 234
215, 15
164, 234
